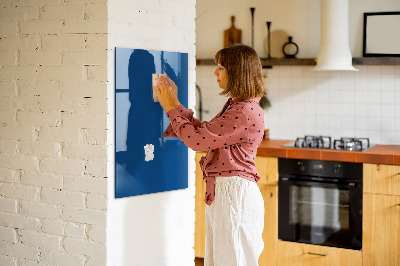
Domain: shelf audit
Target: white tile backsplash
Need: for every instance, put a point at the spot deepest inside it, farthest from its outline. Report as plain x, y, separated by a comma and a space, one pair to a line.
364, 103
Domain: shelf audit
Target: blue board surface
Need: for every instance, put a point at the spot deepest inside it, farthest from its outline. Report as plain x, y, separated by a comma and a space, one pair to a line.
139, 121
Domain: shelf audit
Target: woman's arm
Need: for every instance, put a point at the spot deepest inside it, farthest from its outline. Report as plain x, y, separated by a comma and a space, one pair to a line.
187, 113
228, 129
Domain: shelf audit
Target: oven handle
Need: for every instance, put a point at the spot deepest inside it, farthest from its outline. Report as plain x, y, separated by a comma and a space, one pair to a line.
297, 181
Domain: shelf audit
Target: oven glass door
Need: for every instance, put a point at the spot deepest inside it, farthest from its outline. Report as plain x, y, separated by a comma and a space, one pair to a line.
322, 213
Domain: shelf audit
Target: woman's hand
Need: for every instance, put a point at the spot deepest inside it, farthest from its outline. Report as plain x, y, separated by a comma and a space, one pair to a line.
174, 91
164, 94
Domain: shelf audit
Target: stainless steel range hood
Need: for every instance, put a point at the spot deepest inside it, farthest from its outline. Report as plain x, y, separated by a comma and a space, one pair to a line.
334, 52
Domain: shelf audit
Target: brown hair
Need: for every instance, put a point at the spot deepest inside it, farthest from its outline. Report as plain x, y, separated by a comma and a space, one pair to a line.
245, 78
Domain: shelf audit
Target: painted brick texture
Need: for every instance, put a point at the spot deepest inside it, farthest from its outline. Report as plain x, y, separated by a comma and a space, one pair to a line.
53, 153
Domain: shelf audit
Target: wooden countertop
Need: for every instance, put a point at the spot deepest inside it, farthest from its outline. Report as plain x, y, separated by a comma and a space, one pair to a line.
379, 154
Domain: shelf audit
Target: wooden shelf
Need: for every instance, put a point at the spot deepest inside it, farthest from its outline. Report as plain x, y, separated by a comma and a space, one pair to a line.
312, 61
376, 61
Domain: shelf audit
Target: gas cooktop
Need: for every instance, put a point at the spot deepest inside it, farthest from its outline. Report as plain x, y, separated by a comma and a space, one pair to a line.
325, 142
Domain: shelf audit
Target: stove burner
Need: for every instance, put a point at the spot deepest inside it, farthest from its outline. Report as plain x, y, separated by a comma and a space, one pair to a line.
351, 144
324, 142
308, 141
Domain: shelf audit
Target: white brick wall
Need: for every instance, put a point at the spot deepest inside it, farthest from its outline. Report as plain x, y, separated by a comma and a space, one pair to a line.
53, 107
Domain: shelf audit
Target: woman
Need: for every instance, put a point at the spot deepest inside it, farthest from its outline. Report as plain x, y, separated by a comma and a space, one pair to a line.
235, 207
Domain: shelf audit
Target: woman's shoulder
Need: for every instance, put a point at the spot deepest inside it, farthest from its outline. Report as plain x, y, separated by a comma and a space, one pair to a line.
248, 104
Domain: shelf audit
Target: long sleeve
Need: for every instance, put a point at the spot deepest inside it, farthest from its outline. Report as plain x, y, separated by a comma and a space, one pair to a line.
225, 130
186, 113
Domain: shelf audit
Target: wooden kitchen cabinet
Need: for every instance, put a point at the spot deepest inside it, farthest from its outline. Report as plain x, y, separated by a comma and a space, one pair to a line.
381, 215
298, 254
381, 179
200, 207
267, 167
270, 233
381, 230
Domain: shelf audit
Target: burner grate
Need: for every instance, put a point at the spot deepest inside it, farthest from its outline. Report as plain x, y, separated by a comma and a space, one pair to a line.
321, 142
351, 144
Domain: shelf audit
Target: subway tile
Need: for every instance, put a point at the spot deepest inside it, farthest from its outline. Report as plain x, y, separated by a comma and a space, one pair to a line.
374, 110
322, 74
374, 84
373, 70
334, 77
374, 97
335, 95
347, 122
285, 72
361, 97
284, 83
310, 108
397, 134
286, 132
310, 95
397, 72
347, 109
388, 97
322, 122
296, 72
388, 84
348, 132
374, 123
322, 109
335, 122
375, 136
348, 96
388, 110
360, 124
297, 83
387, 71
321, 83
308, 72
388, 137
388, 124
334, 81
322, 95
334, 109
361, 110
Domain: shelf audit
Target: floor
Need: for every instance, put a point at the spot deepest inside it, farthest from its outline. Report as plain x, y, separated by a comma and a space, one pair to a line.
199, 262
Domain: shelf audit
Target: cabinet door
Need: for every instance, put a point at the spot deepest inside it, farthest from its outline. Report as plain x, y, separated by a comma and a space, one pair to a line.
381, 230
267, 168
270, 233
297, 254
381, 179
200, 207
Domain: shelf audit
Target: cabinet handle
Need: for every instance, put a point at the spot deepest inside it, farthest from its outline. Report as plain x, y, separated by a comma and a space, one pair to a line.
398, 204
318, 254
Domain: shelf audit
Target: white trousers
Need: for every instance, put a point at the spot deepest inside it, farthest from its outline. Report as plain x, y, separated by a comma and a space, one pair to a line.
234, 223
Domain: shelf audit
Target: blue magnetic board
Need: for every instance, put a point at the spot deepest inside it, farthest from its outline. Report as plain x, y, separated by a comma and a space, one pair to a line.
140, 122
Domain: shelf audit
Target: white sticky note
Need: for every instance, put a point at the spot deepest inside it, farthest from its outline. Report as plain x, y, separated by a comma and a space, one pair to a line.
148, 152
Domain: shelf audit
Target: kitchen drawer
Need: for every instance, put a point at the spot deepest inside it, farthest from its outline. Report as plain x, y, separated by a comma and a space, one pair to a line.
298, 254
381, 179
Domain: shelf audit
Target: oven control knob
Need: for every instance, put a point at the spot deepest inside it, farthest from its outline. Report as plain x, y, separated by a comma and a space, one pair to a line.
336, 169
302, 167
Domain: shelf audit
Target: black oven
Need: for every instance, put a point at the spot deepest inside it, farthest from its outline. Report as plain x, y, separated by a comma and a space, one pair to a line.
320, 202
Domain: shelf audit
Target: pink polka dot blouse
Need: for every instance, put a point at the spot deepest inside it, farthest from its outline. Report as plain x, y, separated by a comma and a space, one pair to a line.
231, 139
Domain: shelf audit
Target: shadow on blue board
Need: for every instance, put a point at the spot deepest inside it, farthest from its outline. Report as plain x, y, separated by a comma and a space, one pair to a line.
140, 121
